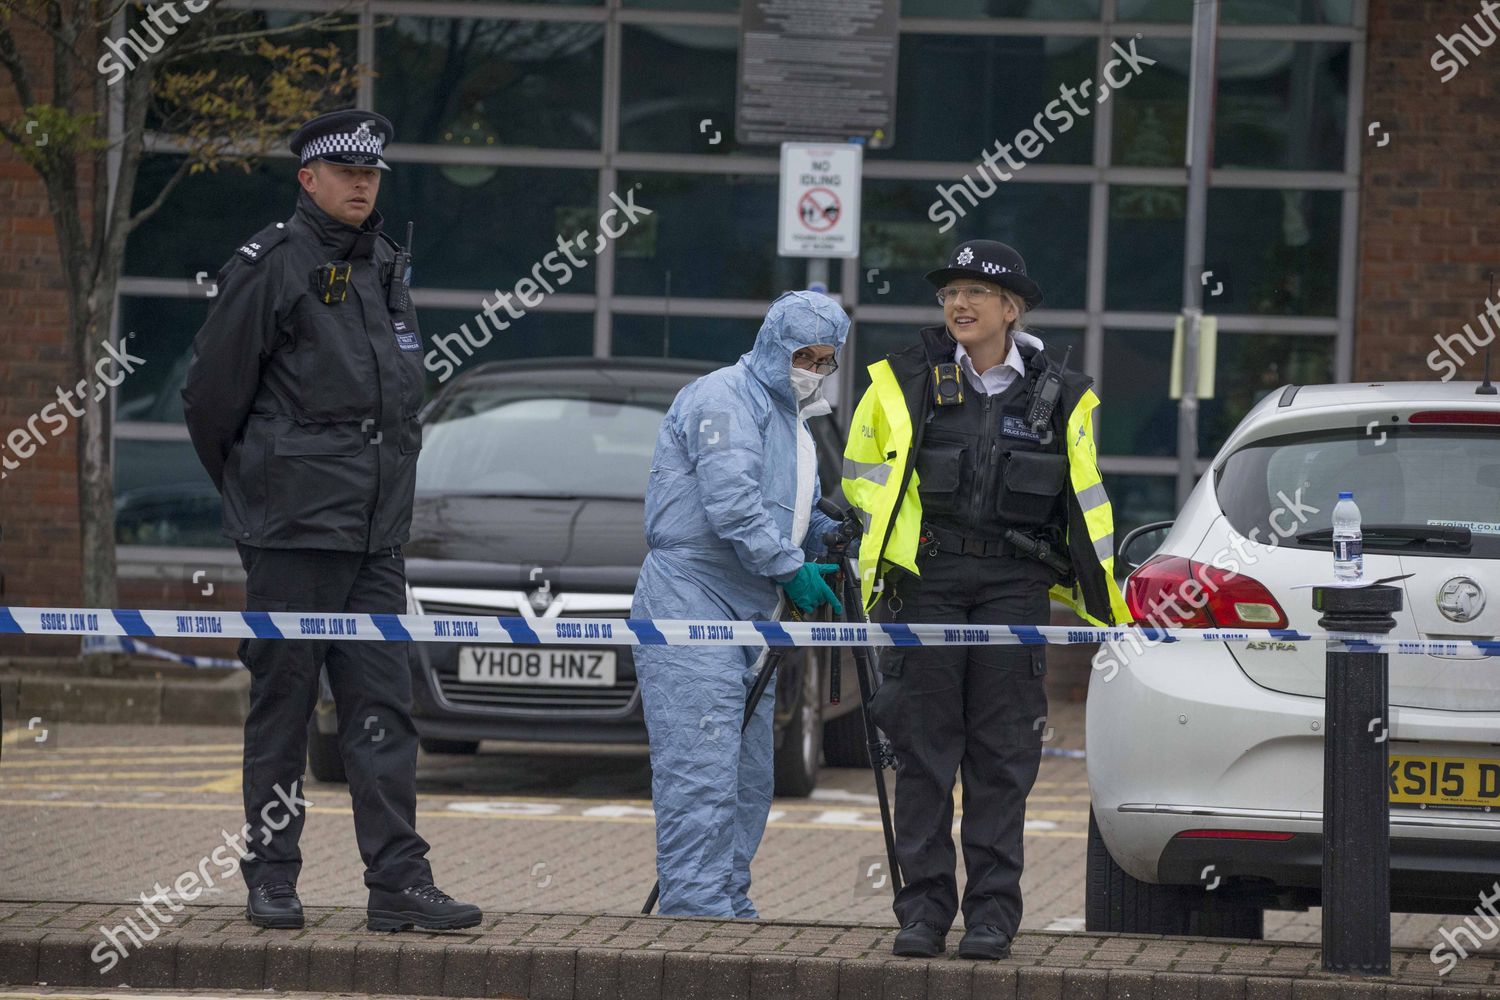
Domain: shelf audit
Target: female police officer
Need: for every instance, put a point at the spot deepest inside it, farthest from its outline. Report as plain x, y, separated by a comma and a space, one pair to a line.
969, 453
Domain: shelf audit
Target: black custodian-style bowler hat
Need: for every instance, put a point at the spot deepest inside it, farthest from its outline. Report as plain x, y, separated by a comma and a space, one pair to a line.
989, 260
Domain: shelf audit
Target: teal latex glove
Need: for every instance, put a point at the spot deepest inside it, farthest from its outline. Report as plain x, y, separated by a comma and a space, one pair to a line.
809, 591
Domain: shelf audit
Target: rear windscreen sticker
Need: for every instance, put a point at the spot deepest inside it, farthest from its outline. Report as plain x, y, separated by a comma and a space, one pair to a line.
1477, 527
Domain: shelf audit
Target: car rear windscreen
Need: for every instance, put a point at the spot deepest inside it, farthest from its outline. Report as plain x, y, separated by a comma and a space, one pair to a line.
1409, 476
514, 442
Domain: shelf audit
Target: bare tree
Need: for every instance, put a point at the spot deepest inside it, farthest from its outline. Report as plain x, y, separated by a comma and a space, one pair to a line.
222, 85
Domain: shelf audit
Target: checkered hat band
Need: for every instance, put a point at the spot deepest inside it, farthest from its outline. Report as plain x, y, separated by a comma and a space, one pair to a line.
343, 142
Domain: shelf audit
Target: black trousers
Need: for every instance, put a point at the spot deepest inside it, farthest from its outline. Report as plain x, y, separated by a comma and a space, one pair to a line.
371, 684
970, 709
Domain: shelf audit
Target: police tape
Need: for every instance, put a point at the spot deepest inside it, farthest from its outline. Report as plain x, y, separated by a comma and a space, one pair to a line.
123, 644
501, 630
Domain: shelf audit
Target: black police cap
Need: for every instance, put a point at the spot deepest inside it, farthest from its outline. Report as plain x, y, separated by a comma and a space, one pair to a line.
991, 261
352, 137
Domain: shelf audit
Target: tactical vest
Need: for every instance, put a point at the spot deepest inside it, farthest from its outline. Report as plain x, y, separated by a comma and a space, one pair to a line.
982, 470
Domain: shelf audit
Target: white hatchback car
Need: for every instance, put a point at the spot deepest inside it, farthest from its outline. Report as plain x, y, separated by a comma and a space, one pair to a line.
1205, 761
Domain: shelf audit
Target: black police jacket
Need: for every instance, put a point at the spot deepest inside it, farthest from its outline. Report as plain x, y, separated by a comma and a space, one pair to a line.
304, 412
912, 368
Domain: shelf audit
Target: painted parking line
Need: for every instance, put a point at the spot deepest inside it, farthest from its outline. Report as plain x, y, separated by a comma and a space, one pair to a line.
1066, 924
846, 820
71, 777
232, 783
7, 993
231, 786
228, 781
125, 775
84, 786
524, 805
825, 808
53, 758
19, 735
133, 994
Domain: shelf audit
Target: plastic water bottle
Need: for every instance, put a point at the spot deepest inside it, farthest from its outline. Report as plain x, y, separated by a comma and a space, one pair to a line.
1348, 543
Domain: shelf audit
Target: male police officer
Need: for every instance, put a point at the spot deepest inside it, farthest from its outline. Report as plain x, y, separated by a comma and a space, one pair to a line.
971, 459
302, 401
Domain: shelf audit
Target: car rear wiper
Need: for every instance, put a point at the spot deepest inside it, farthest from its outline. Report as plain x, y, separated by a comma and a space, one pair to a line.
1398, 536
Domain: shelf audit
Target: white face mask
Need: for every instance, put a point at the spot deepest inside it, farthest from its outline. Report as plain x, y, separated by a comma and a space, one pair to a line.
805, 383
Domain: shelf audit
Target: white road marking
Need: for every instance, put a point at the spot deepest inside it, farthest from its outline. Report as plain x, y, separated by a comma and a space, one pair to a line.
839, 795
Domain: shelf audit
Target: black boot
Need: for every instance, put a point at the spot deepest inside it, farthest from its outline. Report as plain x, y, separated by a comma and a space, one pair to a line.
424, 906
919, 939
984, 941
274, 904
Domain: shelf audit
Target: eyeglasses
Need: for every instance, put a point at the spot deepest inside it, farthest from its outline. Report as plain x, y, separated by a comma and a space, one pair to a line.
812, 364
974, 293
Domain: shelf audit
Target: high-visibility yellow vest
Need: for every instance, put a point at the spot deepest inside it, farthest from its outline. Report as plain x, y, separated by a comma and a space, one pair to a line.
878, 463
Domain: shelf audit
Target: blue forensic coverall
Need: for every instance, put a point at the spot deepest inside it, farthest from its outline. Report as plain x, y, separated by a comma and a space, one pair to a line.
720, 525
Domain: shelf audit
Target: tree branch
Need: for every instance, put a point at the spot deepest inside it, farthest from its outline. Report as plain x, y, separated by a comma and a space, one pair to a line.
10, 58
161, 197
63, 57
100, 182
63, 95
133, 128
109, 13
43, 25
210, 41
230, 43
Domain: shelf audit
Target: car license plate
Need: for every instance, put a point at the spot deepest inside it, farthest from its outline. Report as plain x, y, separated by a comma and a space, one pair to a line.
560, 667
1444, 781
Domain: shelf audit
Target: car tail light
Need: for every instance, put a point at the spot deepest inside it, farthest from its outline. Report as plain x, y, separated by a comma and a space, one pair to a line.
1173, 592
1234, 835
1455, 417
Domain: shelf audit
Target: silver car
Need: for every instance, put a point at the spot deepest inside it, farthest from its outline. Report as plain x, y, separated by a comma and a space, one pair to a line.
1205, 760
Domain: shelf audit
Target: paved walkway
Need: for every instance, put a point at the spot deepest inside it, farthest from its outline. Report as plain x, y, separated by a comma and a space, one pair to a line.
99, 813
575, 956
523, 831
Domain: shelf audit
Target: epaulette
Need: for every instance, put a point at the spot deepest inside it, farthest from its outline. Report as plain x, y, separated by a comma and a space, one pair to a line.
390, 241
256, 248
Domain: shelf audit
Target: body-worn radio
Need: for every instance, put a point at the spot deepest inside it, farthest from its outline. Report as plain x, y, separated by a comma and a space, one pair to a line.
398, 292
1045, 393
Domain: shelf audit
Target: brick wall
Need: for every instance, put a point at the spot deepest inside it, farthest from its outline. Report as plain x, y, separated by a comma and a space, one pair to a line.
40, 561
1429, 221
39, 548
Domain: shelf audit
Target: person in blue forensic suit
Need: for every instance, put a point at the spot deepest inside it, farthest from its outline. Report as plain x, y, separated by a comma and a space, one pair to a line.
732, 524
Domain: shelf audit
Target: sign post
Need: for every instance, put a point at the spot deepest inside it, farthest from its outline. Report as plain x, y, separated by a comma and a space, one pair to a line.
819, 213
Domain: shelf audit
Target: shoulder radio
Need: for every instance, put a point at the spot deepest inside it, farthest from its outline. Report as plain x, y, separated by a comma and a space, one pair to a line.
1045, 393
398, 293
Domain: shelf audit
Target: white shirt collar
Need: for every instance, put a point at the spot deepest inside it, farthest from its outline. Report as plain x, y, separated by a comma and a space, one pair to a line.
997, 377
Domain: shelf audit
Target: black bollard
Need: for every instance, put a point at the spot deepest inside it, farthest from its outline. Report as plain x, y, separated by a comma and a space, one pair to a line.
1356, 782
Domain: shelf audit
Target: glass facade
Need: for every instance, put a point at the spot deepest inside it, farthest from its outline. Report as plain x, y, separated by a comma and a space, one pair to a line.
516, 123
